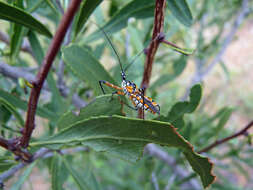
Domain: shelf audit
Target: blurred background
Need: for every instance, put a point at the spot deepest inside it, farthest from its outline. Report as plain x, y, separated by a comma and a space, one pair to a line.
221, 35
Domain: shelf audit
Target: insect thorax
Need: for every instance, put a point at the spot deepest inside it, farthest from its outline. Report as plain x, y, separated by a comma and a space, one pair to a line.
128, 87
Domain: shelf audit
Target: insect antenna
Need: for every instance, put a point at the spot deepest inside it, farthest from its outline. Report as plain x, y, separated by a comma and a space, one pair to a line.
110, 42
134, 59
143, 50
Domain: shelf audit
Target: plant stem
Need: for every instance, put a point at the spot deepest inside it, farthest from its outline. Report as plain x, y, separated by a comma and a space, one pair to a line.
11, 145
43, 72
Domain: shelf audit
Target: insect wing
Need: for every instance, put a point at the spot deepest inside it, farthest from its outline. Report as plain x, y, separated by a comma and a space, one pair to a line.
151, 105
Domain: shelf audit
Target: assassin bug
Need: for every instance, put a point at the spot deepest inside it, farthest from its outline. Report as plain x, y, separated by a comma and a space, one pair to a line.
129, 88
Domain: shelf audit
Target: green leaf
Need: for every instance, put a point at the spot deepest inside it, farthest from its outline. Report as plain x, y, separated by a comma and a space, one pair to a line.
126, 137
224, 117
86, 10
17, 36
58, 172
16, 41
13, 110
86, 66
6, 163
79, 180
5, 115
203, 166
180, 10
176, 114
23, 177
53, 7
14, 100
36, 47
19, 16
104, 103
138, 9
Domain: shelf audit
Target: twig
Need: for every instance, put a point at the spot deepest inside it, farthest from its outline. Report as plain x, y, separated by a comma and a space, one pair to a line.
221, 141
17, 72
170, 182
11, 145
41, 153
46, 65
157, 30
25, 46
60, 6
154, 181
202, 72
155, 151
239, 19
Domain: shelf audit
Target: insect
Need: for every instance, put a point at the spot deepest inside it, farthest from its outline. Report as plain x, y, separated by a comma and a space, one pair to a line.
135, 94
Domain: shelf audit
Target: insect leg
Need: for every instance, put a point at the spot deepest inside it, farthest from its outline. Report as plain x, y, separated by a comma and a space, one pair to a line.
143, 103
101, 86
101, 82
116, 92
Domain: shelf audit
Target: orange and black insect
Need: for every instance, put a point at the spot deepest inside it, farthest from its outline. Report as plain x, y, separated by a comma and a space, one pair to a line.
130, 89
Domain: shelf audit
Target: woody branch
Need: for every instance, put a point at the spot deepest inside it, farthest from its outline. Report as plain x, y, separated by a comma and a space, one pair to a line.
151, 51
43, 72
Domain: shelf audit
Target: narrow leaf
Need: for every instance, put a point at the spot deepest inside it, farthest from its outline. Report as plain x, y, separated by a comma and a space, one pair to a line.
82, 185
14, 100
13, 110
126, 137
36, 47
86, 10
138, 9
180, 10
224, 117
86, 66
6, 163
58, 172
23, 177
19, 16
17, 35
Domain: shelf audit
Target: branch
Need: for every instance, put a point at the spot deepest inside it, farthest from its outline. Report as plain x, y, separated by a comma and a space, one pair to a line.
157, 30
25, 46
200, 74
221, 141
11, 145
43, 72
154, 181
239, 19
155, 151
41, 153
17, 72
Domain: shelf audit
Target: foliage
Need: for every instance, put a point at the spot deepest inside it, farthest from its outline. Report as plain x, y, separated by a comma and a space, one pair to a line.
114, 156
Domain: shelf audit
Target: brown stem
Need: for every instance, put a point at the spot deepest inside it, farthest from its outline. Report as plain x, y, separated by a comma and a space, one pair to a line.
4, 143
46, 65
221, 141
158, 28
12, 145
